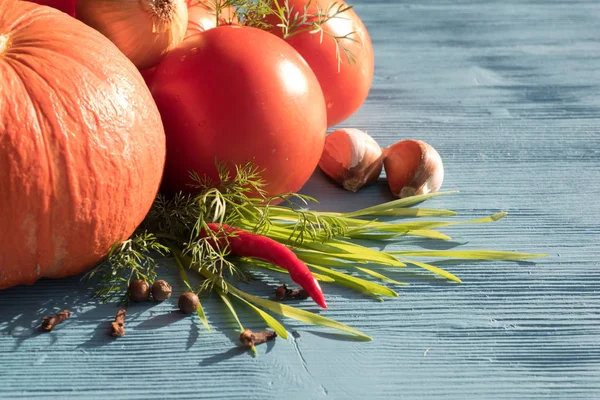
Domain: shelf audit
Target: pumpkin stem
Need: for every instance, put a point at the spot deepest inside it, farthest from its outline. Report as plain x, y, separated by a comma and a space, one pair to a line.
3, 44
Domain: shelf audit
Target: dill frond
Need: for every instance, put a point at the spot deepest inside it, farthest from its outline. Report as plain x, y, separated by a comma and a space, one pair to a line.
132, 259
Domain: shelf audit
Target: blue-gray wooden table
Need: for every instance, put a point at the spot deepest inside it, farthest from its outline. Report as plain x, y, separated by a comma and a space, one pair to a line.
508, 93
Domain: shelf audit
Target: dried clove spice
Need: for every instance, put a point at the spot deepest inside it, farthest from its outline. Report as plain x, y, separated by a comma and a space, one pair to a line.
50, 321
249, 338
283, 293
117, 327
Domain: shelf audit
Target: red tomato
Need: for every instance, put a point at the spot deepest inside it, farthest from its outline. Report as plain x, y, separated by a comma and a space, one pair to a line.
147, 74
345, 89
66, 6
235, 94
202, 17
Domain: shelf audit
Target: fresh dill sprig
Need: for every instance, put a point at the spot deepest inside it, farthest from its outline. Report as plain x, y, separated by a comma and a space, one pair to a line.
218, 8
225, 202
261, 13
172, 215
182, 219
130, 260
253, 13
299, 222
293, 22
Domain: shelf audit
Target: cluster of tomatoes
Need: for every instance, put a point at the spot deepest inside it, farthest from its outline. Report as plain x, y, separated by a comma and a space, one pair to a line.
236, 93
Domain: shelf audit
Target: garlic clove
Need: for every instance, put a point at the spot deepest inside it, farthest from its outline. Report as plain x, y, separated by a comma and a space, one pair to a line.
351, 158
413, 167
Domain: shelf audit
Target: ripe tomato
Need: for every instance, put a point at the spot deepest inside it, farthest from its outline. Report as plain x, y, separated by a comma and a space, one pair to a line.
345, 89
237, 94
147, 74
202, 16
66, 6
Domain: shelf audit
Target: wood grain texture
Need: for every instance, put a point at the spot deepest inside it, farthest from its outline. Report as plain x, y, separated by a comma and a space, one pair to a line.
508, 93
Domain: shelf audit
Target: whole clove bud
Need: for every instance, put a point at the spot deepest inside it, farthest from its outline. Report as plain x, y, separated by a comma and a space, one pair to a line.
49, 322
117, 327
249, 338
283, 293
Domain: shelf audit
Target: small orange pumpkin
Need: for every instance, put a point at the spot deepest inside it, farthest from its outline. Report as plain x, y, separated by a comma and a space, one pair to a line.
82, 145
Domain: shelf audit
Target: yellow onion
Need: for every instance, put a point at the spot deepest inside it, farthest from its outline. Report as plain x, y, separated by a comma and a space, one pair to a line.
144, 30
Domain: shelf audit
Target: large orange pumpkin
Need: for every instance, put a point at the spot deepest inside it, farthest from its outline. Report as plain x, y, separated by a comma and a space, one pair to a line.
82, 145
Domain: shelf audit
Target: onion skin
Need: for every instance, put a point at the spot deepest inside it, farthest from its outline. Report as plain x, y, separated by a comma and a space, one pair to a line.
144, 30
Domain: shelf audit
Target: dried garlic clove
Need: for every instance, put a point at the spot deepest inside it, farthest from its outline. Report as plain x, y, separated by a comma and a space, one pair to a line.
351, 158
413, 167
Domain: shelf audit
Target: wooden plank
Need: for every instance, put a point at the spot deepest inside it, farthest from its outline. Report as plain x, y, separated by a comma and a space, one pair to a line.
508, 93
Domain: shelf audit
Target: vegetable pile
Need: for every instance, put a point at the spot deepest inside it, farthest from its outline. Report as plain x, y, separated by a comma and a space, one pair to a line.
223, 105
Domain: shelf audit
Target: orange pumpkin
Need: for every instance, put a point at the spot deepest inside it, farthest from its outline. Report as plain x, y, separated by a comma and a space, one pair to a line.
82, 145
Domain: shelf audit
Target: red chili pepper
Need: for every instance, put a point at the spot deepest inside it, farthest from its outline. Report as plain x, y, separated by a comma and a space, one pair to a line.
247, 244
